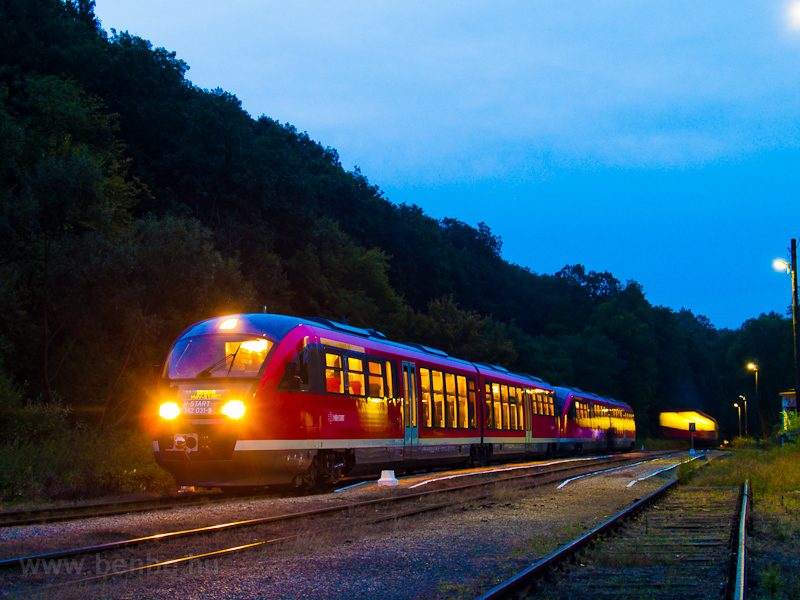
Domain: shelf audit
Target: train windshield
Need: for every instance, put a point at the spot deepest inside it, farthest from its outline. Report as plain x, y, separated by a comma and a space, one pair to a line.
212, 356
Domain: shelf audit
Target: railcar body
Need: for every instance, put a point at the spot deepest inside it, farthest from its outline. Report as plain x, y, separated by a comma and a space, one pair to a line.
676, 425
594, 423
258, 399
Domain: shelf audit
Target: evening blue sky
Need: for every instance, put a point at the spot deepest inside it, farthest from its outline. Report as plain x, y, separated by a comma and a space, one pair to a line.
659, 141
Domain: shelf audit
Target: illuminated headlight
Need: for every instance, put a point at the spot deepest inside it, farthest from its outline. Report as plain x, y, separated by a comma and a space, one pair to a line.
233, 409
169, 410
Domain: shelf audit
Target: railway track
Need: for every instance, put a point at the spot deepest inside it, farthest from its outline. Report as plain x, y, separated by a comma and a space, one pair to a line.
281, 528
688, 545
58, 514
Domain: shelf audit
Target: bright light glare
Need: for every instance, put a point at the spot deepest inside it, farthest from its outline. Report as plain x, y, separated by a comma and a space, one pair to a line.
229, 324
255, 345
169, 410
233, 409
793, 15
752, 366
780, 265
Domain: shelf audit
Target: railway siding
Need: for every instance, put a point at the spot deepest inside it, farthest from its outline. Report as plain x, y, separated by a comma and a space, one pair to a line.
678, 549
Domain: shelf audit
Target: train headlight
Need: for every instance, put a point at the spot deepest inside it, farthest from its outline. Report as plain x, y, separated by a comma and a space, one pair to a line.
233, 409
169, 410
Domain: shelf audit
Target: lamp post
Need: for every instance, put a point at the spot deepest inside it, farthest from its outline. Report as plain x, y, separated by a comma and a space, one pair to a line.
736, 404
745, 414
791, 268
753, 366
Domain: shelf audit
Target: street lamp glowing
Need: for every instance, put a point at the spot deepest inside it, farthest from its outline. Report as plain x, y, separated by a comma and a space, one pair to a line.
745, 414
752, 366
781, 266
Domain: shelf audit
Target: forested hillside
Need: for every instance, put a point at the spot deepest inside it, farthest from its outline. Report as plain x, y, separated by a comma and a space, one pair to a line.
134, 203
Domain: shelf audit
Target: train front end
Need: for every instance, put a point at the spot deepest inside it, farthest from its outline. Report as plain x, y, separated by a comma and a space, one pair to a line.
212, 393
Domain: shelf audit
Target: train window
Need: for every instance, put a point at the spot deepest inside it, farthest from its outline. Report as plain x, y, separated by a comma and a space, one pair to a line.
438, 398
498, 406
504, 404
463, 411
489, 410
295, 376
376, 380
450, 399
334, 373
513, 419
208, 356
425, 395
355, 376
471, 402
389, 382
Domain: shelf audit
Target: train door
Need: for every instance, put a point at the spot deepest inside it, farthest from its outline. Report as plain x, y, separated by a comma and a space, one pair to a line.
410, 451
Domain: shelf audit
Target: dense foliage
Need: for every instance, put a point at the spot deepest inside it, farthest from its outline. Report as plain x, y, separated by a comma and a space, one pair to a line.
133, 203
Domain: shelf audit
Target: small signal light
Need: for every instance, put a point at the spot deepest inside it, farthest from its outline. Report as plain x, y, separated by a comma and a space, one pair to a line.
169, 411
229, 324
233, 409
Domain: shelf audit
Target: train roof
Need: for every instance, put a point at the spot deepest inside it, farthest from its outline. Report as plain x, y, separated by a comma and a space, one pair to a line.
278, 326
562, 392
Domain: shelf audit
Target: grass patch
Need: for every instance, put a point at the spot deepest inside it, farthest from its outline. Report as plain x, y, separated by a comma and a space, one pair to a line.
770, 471
774, 475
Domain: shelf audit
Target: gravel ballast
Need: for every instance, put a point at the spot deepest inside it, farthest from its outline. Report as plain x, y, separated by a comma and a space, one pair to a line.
457, 552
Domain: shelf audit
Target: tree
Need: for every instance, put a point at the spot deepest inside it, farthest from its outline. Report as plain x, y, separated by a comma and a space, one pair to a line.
66, 180
460, 333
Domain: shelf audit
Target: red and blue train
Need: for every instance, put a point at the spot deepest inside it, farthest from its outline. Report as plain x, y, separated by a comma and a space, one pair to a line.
260, 399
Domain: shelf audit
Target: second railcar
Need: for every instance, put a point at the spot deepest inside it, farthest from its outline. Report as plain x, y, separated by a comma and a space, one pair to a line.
594, 423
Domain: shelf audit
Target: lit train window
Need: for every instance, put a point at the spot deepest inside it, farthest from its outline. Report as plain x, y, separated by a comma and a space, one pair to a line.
425, 396
513, 409
355, 376
450, 400
390, 383
463, 410
375, 380
358, 375
438, 398
471, 401
498, 406
213, 356
334, 373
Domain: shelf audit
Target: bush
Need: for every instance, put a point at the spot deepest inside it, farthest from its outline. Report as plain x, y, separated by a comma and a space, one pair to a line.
45, 455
